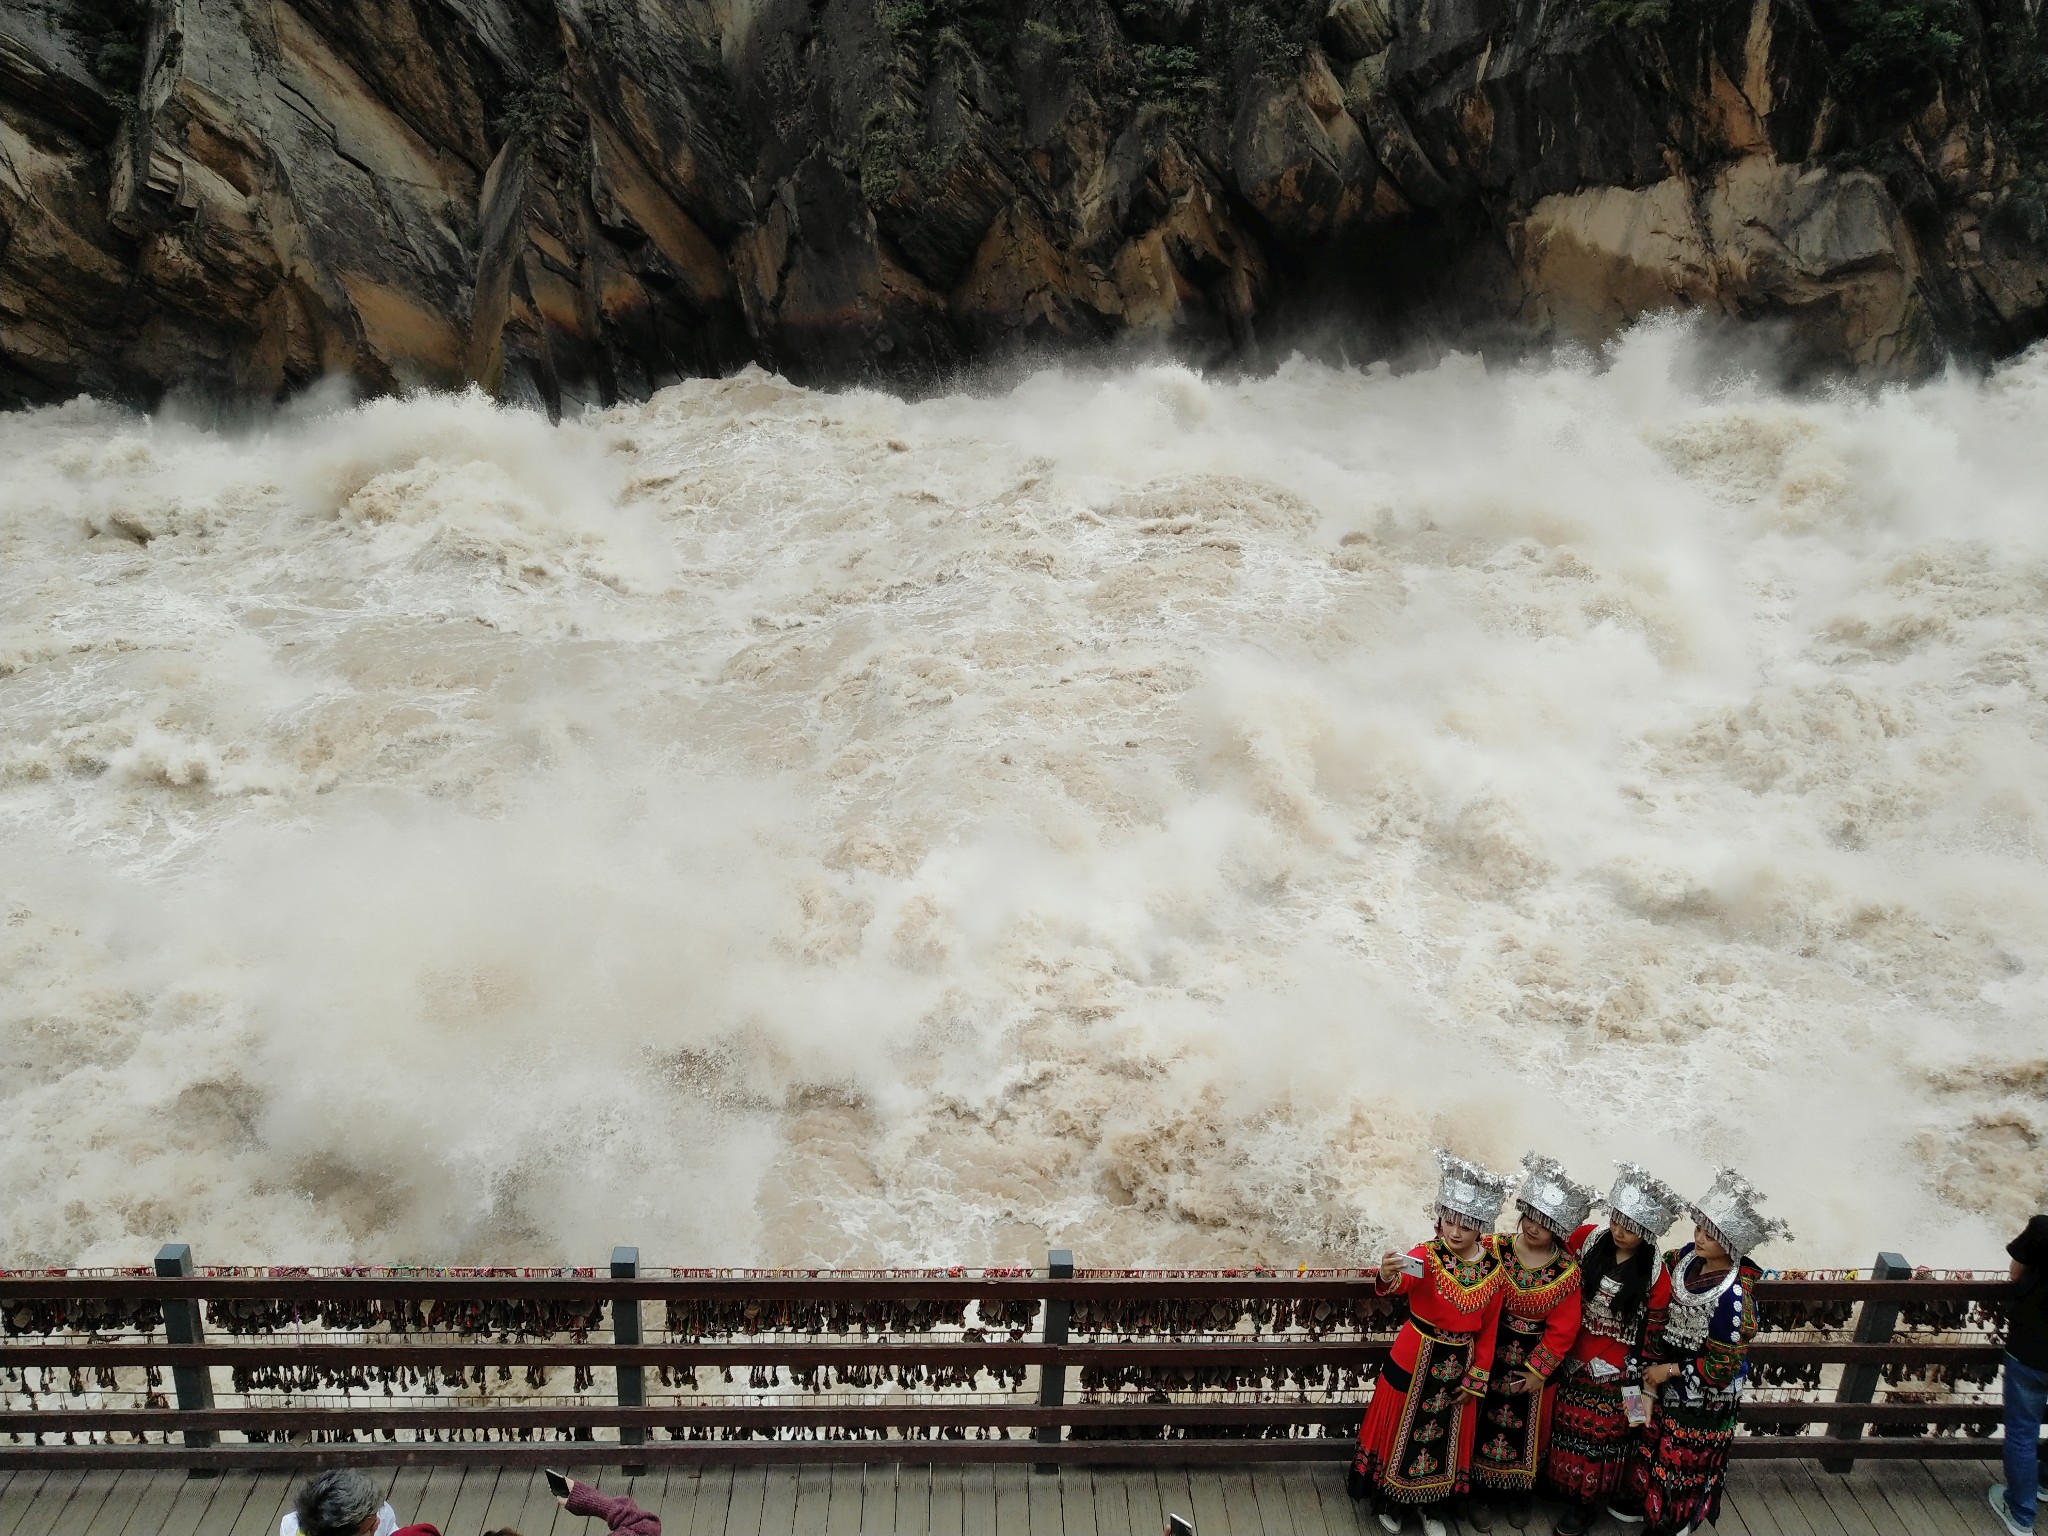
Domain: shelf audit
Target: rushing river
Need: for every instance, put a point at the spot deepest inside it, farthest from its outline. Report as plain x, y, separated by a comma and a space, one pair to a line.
1129, 808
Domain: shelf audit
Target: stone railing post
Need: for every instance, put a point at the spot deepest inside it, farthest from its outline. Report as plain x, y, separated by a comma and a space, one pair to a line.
1874, 1325
1052, 1379
193, 1384
626, 1330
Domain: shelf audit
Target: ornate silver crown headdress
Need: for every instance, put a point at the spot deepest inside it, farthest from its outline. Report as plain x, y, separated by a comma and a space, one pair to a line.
1470, 1189
1642, 1202
1551, 1196
1728, 1210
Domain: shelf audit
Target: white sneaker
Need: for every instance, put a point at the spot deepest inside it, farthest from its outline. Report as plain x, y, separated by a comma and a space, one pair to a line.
1624, 1516
1431, 1526
1390, 1522
2004, 1512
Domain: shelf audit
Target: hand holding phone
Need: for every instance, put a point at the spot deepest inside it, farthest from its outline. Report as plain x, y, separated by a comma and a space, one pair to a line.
558, 1483
1411, 1266
1179, 1525
1635, 1406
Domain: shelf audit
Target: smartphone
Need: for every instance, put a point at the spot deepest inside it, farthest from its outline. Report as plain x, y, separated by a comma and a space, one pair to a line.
558, 1482
1179, 1525
1411, 1265
1633, 1406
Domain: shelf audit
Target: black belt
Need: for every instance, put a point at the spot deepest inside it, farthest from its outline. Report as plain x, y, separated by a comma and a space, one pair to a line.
1403, 1380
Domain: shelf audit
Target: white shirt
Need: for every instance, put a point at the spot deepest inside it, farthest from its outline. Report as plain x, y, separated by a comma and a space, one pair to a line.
387, 1522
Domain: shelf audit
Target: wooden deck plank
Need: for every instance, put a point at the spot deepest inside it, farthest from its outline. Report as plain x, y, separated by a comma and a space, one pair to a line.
1013, 1500
1735, 1511
778, 1502
813, 1497
679, 1498
1819, 1511
878, 1491
1342, 1514
712, 1506
1304, 1502
224, 1511
1112, 1501
1860, 1489
1175, 1495
507, 1498
1146, 1497
978, 1501
19, 1494
537, 1513
914, 1499
152, 1508
1967, 1486
56, 1490
73, 1517
404, 1491
1043, 1511
842, 1500
948, 1513
1208, 1508
436, 1498
749, 1496
1240, 1501
479, 1483
191, 1498
1908, 1494
1077, 1501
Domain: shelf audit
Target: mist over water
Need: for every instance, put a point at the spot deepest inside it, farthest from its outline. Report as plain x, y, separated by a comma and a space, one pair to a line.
1131, 809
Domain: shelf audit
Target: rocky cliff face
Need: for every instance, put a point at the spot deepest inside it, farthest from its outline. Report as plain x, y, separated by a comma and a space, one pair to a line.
576, 200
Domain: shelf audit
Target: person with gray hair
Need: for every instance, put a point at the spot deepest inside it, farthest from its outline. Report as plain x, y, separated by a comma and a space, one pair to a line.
345, 1502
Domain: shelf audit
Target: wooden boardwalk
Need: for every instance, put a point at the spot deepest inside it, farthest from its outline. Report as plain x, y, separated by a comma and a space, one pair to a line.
1766, 1498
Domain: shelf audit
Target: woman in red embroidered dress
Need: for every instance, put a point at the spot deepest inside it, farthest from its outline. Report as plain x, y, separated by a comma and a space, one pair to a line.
1539, 1323
1619, 1280
1415, 1447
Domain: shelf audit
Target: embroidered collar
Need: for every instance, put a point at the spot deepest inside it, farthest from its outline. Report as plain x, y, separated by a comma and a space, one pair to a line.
1535, 1291
1467, 1284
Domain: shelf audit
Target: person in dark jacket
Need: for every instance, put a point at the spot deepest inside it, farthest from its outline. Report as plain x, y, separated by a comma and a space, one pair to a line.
2026, 1379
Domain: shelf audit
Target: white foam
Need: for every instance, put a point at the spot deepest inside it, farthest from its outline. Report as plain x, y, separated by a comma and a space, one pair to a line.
1131, 809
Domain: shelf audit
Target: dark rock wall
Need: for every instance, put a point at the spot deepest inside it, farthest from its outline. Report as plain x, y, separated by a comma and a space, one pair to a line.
578, 200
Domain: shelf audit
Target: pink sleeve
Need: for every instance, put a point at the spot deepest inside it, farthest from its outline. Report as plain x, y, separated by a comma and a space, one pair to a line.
620, 1514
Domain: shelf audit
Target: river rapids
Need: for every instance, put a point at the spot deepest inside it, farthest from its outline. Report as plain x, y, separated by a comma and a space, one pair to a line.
1126, 808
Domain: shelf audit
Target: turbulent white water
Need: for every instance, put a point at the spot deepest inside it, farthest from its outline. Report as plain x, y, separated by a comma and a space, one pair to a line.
1132, 809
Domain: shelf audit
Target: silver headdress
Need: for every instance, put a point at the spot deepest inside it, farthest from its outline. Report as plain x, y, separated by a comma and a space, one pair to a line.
1642, 1202
1470, 1190
1550, 1195
1728, 1210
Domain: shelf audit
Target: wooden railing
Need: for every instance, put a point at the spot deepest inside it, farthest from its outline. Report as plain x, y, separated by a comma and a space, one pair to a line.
1046, 1366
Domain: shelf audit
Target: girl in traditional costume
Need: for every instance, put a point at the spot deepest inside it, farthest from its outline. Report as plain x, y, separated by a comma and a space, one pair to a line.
1591, 1434
1415, 1447
1539, 1324
1698, 1341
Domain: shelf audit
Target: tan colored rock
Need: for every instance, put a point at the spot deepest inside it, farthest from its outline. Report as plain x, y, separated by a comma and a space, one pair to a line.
1594, 261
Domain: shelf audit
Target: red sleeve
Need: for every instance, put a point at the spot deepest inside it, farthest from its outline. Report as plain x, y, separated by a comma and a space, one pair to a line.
1659, 1308
1560, 1333
1402, 1283
1481, 1369
620, 1514
416, 1530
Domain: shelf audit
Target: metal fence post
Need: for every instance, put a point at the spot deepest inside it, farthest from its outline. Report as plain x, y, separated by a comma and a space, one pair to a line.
626, 1330
1874, 1325
192, 1383
1052, 1379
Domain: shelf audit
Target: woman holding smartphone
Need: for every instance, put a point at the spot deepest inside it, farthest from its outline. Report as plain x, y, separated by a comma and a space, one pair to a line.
1539, 1324
1698, 1341
1415, 1446
1598, 1409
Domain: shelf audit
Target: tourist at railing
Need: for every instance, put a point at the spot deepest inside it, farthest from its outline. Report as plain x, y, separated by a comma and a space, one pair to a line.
1539, 1323
2025, 1381
620, 1514
345, 1502
1455, 1285
1699, 1340
1592, 1427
